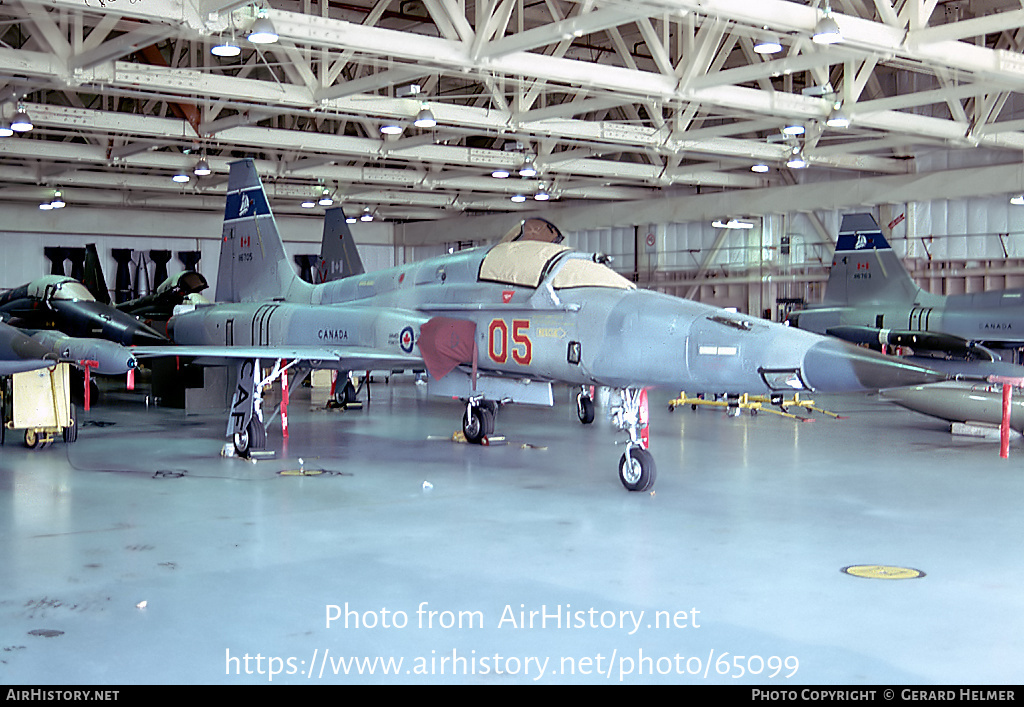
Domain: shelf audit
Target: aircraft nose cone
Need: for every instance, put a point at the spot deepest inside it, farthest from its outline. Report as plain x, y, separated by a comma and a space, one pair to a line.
835, 366
146, 336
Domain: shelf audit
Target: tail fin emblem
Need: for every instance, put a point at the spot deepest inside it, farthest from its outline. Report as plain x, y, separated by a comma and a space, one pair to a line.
862, 242
244, 204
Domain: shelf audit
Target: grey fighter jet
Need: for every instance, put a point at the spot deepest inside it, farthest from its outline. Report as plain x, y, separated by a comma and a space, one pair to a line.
29, 350
871, 299
495, 325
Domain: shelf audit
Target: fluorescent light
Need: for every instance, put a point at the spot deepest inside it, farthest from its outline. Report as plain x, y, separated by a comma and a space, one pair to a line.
541, 196
262, 31
350, 219
732, 224
366, 216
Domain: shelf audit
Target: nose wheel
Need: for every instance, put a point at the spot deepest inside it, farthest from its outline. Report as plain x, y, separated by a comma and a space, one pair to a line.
637, 470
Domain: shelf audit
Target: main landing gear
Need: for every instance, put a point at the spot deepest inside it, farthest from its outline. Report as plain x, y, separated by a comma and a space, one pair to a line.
478, 421
637, 470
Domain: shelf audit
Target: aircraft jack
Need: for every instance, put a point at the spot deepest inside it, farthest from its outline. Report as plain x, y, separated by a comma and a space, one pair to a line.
754, 403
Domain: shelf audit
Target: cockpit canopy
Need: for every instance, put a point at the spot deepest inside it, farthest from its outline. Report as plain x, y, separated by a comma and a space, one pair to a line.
59, 287
526, 263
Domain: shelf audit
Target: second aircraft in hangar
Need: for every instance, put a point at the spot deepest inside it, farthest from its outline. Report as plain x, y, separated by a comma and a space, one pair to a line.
495, 325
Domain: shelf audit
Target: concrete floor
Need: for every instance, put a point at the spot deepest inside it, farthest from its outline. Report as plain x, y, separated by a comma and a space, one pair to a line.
435, 554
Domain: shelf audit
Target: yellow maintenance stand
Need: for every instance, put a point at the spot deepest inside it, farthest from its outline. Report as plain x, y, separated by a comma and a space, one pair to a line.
754, 403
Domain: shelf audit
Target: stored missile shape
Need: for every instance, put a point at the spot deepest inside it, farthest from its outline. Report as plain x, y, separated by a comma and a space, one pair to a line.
112, 358
959, 402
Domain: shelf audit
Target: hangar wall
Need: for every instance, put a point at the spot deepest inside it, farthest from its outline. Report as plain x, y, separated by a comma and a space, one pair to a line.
27, 231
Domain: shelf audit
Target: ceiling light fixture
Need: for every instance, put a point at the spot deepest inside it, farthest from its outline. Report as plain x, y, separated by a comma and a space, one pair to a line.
767, 43
202, 168
45, 206
827, 30
500, 173
518, 198
424, 119
58, 200
796, 160
760, 168
325, 198
1017, 200
793, 129
528, 169
541, 196
838, 117
262, 31
366, 215
308, 204
21, 123
5, 129
181, 178
391, 128
227, 47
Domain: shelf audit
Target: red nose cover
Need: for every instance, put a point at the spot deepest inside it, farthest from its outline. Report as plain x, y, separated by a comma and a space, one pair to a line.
445, 343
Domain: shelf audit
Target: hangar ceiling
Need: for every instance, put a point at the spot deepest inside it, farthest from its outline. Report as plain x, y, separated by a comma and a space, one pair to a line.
613, 100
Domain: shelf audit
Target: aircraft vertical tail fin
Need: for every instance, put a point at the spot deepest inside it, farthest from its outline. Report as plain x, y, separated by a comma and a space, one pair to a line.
339, 257
253, 263
865, 269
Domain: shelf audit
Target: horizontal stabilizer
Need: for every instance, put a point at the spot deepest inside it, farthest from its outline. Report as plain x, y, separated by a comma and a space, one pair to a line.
446, 343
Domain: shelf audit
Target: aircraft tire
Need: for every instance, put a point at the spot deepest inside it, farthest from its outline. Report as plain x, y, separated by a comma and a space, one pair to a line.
637, 470
585, 408
254, 437
71, 431
474, 425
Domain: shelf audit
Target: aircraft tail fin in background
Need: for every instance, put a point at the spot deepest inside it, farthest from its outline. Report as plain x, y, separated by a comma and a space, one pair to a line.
339, 257
253, 263
865, 269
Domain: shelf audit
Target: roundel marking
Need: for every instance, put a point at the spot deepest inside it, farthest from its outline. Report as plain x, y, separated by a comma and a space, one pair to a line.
406, 339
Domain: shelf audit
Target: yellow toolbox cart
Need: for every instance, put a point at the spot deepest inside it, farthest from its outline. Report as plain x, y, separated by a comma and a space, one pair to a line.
39, 402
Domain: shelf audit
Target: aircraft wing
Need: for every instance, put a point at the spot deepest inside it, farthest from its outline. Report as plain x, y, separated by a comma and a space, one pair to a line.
343, 357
